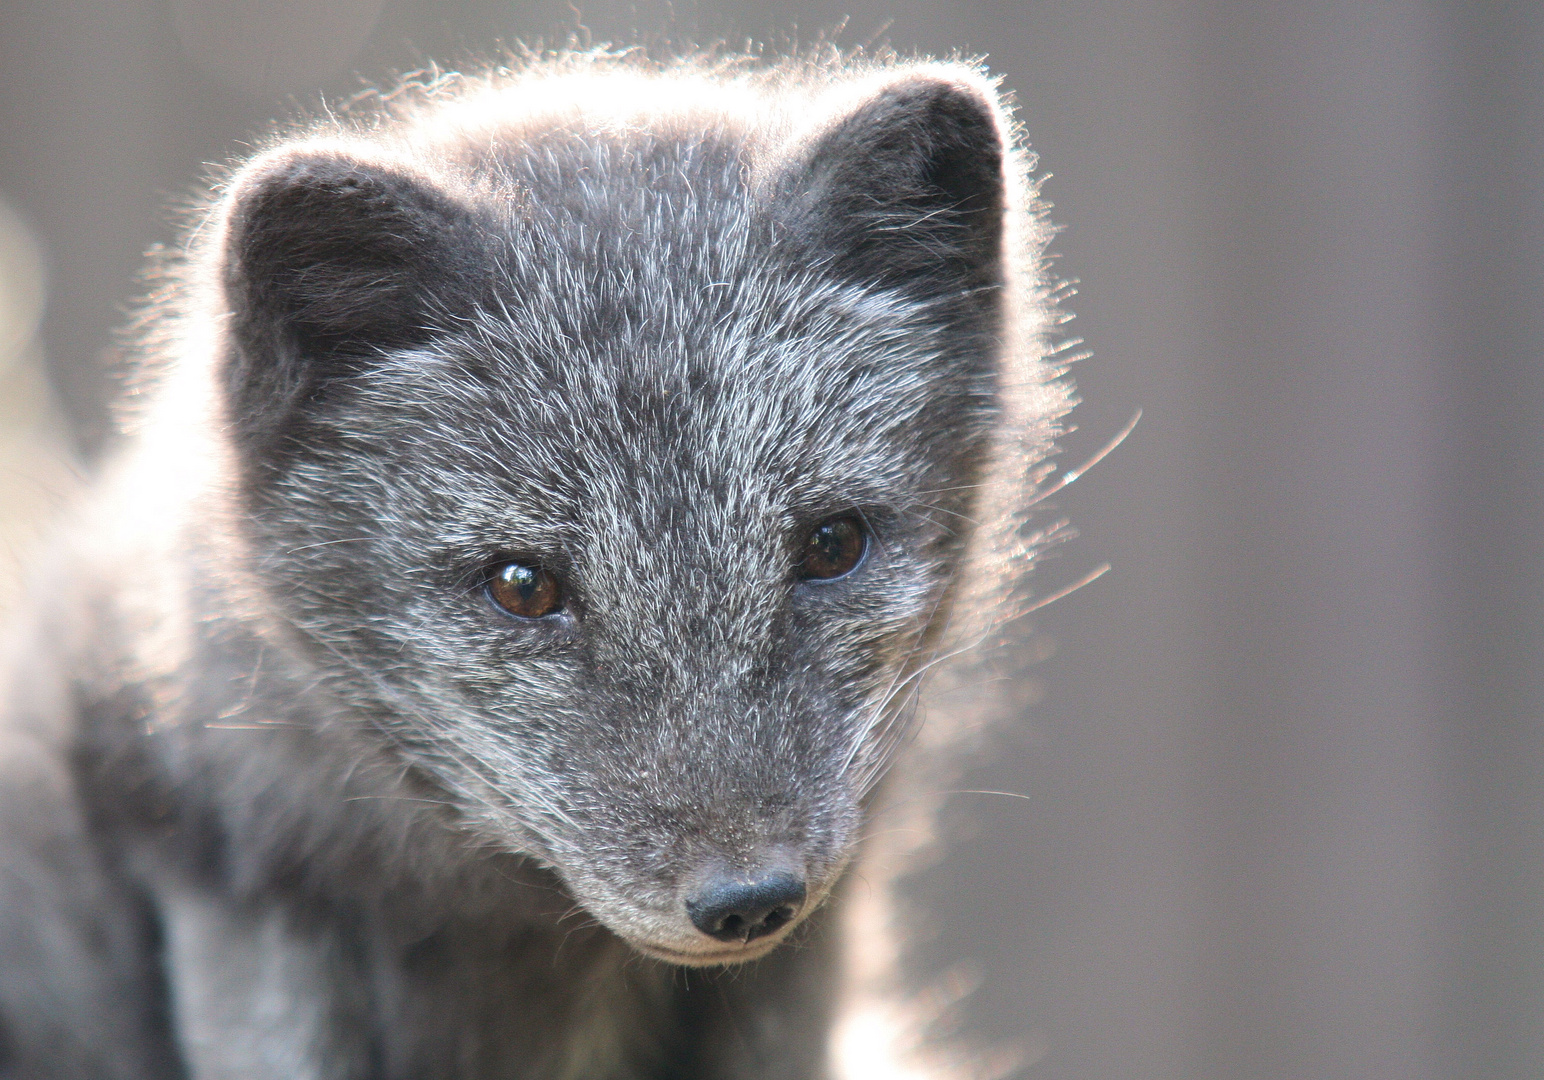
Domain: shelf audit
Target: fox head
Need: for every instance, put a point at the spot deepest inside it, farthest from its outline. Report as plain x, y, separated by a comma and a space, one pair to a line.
619, 439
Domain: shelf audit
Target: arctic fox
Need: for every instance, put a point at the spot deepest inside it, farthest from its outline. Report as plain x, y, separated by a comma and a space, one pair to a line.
549, 488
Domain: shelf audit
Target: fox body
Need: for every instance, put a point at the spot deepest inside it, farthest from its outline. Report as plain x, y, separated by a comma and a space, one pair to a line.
550, 489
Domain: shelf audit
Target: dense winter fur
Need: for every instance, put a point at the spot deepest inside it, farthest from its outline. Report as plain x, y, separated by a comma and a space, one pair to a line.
283, 793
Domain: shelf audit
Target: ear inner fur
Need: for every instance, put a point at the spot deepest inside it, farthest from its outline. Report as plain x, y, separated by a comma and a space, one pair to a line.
907, 187
331, 259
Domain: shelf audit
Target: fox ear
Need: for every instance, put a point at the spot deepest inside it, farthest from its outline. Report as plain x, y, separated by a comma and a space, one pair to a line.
330, 259
907, 187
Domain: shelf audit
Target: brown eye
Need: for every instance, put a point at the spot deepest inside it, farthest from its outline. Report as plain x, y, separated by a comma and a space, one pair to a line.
524, 590
834, 549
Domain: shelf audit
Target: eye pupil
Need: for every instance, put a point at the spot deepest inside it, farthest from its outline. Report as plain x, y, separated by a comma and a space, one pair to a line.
834, 549
528, 591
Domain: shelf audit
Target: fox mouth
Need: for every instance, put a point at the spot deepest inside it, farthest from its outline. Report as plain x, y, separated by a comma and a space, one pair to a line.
735, 954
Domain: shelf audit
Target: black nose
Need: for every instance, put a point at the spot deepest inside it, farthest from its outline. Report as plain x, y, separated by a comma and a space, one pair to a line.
742, 910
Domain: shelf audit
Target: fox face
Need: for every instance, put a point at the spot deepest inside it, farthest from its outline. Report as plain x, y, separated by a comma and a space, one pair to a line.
620, 462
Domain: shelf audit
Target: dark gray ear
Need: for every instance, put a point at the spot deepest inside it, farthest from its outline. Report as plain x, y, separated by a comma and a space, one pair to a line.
329, 260
908, 187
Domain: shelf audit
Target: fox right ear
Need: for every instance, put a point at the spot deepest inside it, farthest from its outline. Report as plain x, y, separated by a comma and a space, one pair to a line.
907, 185
330, 259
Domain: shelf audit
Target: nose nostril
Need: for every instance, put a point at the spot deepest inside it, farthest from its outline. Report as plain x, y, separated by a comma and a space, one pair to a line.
745, 910
777, 918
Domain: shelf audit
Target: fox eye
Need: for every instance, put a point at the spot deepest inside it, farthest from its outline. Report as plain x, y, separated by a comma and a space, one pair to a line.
525, 591
834, 549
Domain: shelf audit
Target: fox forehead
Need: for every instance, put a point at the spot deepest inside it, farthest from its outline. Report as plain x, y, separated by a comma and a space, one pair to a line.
804, 395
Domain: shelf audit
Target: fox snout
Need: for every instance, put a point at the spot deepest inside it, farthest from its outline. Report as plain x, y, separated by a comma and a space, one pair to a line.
737, 910
736, 913
739, 904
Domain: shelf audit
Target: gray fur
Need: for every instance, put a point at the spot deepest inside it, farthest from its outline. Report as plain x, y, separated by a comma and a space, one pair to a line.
285, 795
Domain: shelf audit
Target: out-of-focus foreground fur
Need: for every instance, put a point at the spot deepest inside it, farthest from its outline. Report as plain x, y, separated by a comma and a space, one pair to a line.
547, 493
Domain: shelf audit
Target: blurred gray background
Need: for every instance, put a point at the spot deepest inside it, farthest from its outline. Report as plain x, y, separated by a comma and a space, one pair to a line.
1282, 814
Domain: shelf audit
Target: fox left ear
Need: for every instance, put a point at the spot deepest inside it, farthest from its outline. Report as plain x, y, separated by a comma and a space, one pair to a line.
331, 258
907, 186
